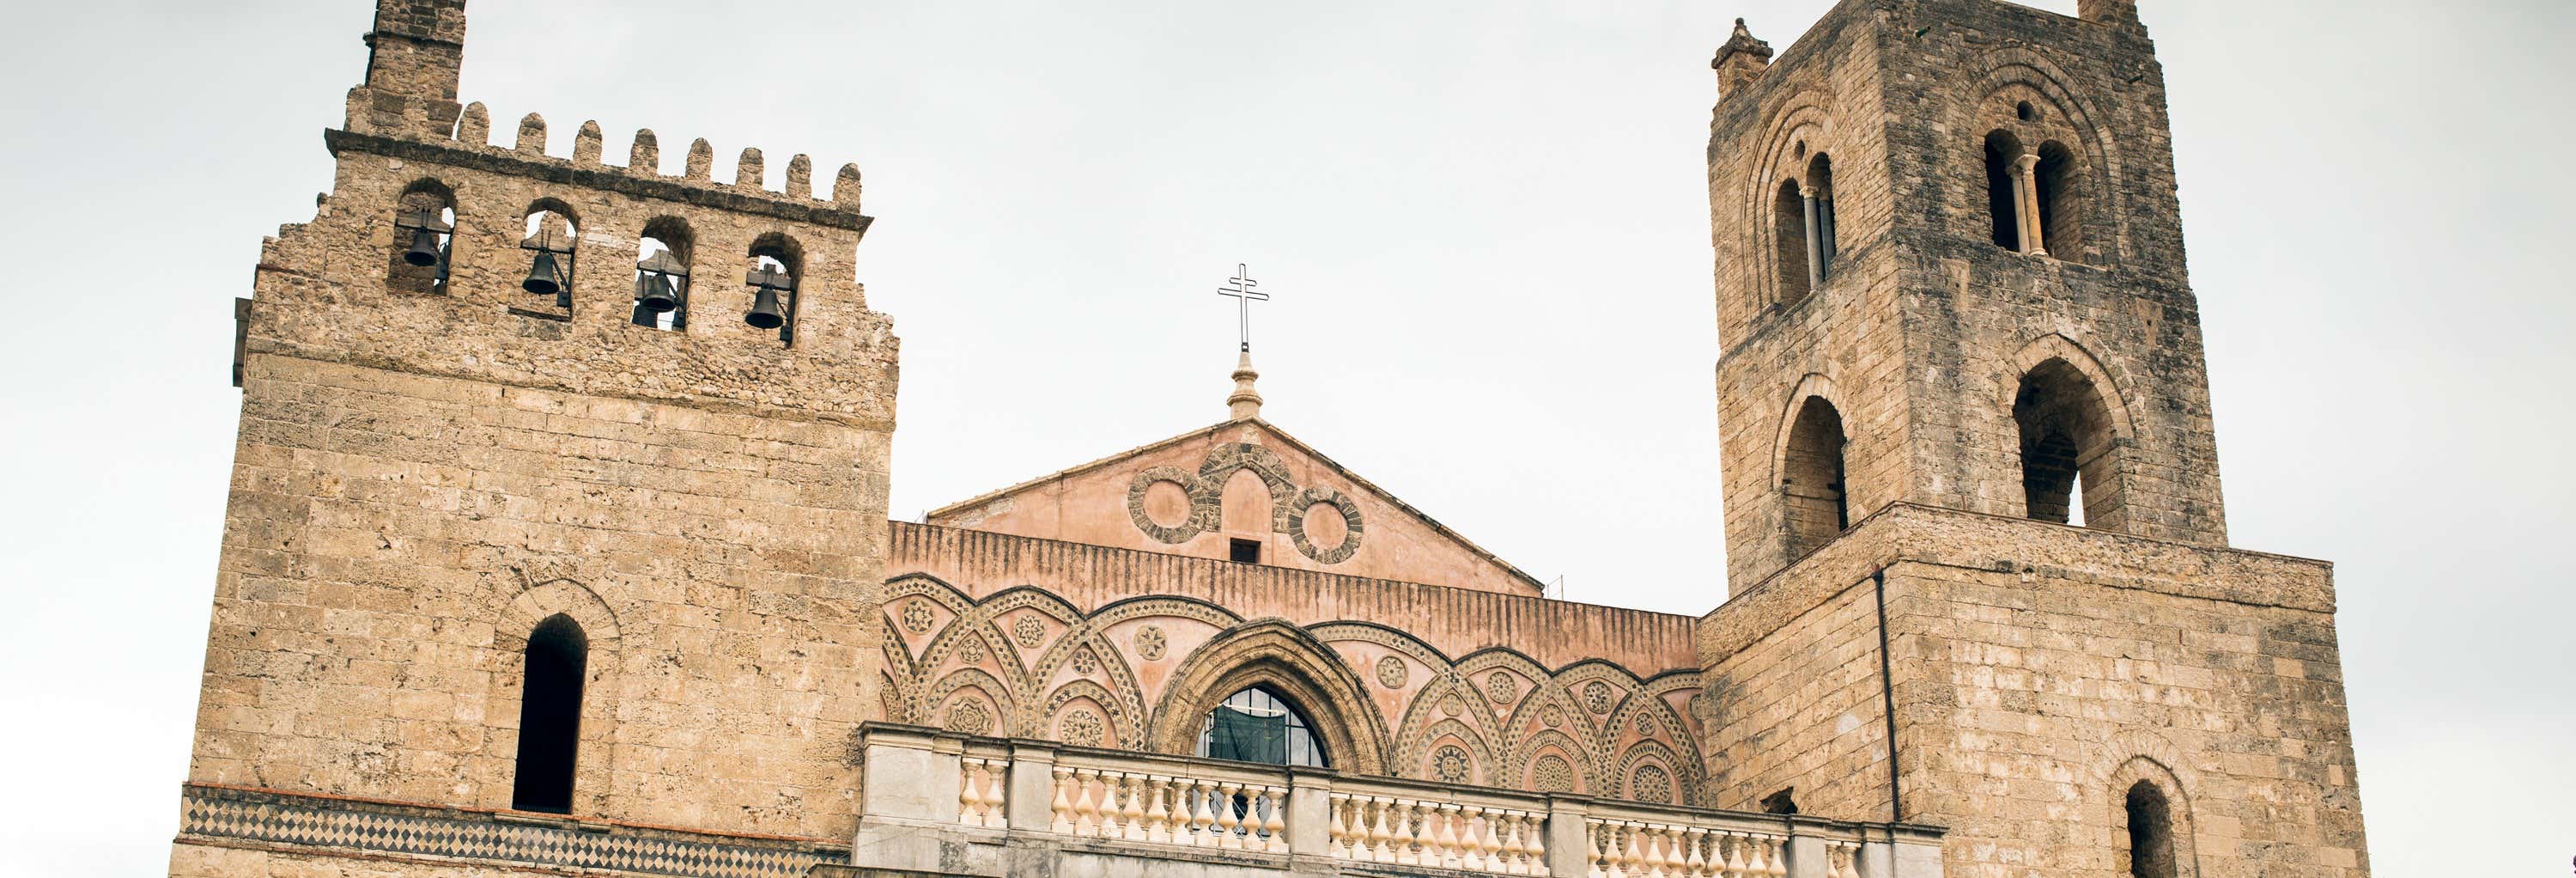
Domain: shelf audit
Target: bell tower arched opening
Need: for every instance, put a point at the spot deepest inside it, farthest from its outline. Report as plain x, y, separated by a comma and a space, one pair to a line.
2067, 439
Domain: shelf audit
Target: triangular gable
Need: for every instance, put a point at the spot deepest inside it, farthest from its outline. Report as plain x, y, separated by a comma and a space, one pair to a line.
1201, 492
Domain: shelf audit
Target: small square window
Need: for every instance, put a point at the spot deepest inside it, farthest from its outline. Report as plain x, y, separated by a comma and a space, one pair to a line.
1243, 551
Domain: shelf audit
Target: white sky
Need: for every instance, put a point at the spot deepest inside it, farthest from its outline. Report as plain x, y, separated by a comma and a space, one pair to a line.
1486, 230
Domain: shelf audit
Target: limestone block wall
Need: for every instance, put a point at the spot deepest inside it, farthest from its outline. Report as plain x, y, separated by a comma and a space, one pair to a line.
1923, 330
2113, 290
423, 473
1840, 341
392, 538
2038, 671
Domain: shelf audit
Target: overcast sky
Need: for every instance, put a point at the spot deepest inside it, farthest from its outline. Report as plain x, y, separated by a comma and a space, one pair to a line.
1486, 230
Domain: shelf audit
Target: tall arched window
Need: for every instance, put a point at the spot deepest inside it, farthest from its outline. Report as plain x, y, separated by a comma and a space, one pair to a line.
662, 274
1811, 477
550, 716
1260, 725
779, 260
424, 238
1789, 237
2067, 439
1820, 179
550, 236
2003, 193
2061, 202
2151, 843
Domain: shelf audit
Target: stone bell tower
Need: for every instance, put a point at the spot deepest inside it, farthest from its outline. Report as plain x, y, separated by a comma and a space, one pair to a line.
1956, 320
1943, 251
559, 492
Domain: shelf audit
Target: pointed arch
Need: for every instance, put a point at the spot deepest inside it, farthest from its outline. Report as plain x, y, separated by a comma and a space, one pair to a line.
1291, 662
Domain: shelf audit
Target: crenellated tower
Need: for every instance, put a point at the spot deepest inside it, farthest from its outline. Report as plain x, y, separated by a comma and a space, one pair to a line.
559, 492
1978, 572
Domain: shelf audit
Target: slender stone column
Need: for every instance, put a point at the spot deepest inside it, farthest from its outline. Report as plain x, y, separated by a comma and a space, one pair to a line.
1815, 243
2026, 189
1825, 221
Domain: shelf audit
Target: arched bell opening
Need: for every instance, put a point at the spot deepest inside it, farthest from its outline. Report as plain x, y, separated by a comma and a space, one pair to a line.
2060, 195
2003, 193
550, 235
1820, 182
424, 224
1789, 241
778, 265
663, 254
1811, 478
2069, 449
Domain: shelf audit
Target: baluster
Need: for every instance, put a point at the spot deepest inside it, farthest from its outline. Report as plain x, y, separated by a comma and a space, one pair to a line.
1409, 832
1379, 832
1274, 826
1693, 864
1157, 818
1440, 839
1754, 861
1086, 810
1062, 807
1657, 851
1336, 832
1735, 854
1200, 819
1603, 856
1476, 839
1529, 831
966, 810
1131, 819
1227, 822
1775, 865
1515, 853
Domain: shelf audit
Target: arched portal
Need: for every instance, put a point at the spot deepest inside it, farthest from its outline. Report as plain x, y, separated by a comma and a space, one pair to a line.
550, 716
1811, 478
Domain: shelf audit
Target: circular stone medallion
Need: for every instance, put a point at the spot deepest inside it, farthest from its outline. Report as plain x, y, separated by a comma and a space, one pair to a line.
1150, 643
1392, 672
1502, 687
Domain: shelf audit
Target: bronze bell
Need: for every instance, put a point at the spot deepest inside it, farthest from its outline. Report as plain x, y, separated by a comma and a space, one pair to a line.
423, 251
653, 293
764, 313
542, 279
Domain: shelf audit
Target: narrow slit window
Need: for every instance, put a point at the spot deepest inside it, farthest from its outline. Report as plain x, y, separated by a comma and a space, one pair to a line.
2002, 196
2151, 846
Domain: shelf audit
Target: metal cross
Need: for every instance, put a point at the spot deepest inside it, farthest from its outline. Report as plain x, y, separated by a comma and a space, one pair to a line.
1241, 288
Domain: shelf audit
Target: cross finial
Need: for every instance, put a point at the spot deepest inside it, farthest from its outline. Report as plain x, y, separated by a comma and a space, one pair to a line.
1241, 288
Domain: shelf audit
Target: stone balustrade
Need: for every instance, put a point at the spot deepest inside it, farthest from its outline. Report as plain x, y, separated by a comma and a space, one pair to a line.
969, 805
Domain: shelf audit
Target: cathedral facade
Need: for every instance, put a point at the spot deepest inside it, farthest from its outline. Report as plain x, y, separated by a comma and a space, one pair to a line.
557, 542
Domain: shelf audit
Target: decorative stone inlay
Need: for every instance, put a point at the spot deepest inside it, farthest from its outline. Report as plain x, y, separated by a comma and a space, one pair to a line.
1392, 672
1552, 715
970, 649
1449, 764
1350, 512
1646, 726
407, 830
1453, 705
1028, 631
1552, 774
1080, 727
1084, 662
1502, 687
1150, 643
1203, 504
1596, 696
1651, 784
918, 617
969, 717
